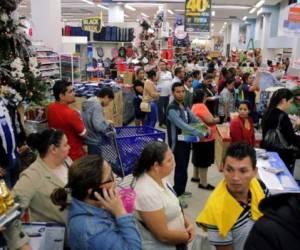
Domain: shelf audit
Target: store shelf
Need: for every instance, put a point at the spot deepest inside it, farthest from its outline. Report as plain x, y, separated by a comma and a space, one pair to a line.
47, 63
56, 68
70, 68
56, 56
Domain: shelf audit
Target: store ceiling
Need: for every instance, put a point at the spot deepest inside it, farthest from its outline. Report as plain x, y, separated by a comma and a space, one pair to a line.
74, 10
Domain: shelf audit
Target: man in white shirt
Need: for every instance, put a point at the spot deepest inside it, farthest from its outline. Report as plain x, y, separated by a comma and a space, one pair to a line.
179, 74
164, 85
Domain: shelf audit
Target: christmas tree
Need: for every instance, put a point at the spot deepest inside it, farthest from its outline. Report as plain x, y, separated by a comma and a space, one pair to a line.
146, 39
20, 77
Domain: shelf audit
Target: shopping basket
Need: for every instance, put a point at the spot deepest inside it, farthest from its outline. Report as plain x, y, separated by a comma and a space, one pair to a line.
123, 148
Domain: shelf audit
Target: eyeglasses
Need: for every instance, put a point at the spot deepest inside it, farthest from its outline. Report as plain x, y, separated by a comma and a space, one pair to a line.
112, 179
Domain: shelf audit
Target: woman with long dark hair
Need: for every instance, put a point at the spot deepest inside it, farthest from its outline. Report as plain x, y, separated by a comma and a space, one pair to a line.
151, 95
275, 116
96, 218
204, 151
161, 221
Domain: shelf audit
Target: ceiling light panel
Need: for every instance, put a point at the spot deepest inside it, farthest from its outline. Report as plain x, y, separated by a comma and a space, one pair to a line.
89, 2
144, 15
129, 7
232, 7
170, 12
102, 6
259, 4
252, 10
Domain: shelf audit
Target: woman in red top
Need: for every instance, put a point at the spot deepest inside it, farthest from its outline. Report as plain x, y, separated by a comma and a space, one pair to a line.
204, 151
241, 127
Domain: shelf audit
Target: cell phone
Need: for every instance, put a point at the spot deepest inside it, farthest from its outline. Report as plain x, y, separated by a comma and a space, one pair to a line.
99, 191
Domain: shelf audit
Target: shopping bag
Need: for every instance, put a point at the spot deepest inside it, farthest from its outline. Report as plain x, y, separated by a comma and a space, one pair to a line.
45, 236
201, 242
145, 107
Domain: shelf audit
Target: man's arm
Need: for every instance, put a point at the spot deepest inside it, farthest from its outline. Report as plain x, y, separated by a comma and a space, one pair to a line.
179, 123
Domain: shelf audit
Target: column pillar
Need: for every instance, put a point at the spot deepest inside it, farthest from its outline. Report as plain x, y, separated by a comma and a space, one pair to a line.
116, 14
47, 25
234, 35
226, 41
265, 35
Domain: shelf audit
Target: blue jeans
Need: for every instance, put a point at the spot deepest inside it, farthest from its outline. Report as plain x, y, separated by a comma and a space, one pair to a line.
182, 157
163, 103
152, 116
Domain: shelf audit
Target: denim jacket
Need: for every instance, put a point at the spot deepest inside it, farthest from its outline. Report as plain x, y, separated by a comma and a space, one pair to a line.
176, 123
93, 228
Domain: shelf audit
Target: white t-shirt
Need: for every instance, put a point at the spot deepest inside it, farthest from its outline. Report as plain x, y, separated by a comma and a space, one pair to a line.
152, 197
164, 83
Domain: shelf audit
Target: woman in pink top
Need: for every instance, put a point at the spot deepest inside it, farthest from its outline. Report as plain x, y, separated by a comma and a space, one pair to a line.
204, 151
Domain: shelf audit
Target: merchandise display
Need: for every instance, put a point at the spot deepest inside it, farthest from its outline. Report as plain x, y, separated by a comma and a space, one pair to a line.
114, 115
70, 68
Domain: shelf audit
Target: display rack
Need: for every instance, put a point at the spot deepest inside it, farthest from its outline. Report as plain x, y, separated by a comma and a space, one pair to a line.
70, 68
48, 61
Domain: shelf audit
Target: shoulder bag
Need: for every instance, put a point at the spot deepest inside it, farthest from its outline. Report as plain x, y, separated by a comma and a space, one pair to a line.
275, 141
145, 107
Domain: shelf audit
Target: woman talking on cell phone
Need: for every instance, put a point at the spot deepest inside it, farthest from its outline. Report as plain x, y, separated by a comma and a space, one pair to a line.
97, 219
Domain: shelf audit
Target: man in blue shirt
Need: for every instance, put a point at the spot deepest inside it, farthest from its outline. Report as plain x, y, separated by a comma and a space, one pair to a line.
179, 117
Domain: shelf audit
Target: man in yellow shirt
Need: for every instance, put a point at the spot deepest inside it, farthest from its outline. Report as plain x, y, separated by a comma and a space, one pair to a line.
232, 208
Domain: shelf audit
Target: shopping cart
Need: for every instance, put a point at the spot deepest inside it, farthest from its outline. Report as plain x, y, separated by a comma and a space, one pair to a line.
123, 147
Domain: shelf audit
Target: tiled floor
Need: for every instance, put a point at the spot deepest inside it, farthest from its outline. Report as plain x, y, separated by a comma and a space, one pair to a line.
199, 197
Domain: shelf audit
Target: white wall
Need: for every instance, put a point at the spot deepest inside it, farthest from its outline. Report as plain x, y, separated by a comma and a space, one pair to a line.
282, 16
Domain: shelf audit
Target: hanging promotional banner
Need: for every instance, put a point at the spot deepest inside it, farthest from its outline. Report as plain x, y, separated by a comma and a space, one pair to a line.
291, 21
93, 24
197, 15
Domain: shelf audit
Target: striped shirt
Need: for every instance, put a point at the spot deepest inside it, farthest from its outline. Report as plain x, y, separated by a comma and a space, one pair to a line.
238, 234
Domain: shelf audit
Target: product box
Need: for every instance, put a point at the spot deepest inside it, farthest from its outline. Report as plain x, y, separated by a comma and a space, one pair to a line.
127, 76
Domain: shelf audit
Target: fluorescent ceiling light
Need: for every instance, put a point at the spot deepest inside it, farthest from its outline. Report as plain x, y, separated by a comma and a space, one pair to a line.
127, 6
213, 13
259, 4
234, 7
126, 15
178, 10
89, 2
149, 5
75, 14
23, 6
244, 18
252, 10
171, 12
102, 6
144, 15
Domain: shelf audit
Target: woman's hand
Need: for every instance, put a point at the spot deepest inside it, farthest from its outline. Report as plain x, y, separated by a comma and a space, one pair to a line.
190, 228
111, 201
192, 232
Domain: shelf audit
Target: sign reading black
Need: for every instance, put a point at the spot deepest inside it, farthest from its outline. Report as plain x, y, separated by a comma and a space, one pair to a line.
197, 15
93, 24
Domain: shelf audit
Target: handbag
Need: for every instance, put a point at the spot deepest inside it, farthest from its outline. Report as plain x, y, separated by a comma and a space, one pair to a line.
275, 141
145, 107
